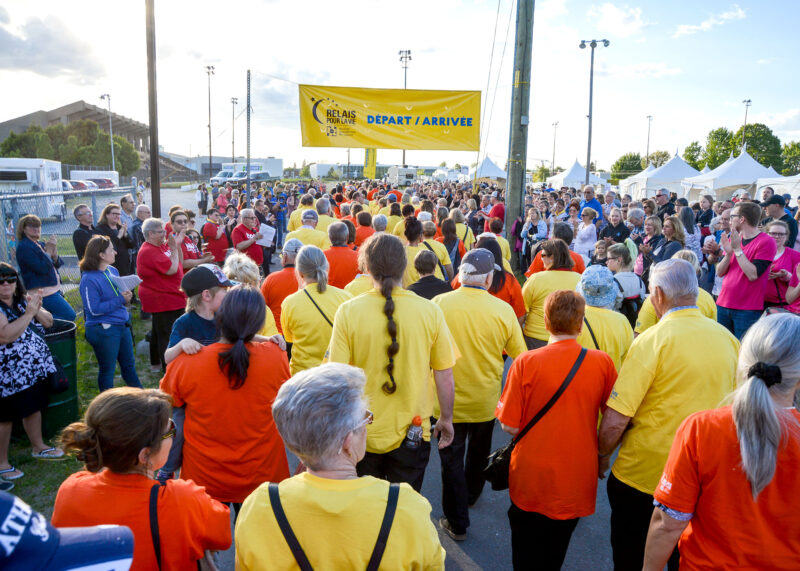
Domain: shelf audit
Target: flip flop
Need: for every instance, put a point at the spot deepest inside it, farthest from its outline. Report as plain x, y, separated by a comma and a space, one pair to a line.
12, 469
51, 453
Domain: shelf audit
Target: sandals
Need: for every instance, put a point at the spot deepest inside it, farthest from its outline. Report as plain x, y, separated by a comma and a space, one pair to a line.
9, 470
51, 453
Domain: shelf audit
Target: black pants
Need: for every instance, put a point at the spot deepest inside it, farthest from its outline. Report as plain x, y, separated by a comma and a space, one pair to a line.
400, 465
159, 339
538, 542
267, 254
631, 511
462, 485
532, 343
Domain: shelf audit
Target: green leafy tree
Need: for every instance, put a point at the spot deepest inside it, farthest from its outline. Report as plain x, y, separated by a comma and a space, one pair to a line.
762, 145
58, 136
126, 157
457, 166
305, 171
791, 158
719, 145
42, 147
541, 174
85, 130
627, 165
68, 153
443, 164
692, 155
17, 146
656, 158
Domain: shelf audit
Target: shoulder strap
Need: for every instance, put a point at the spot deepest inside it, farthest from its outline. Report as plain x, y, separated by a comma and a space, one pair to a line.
286, 529
154, 534
554, 398
619, 285
466, 232
441, 267
386, 526
589, 327
305, 291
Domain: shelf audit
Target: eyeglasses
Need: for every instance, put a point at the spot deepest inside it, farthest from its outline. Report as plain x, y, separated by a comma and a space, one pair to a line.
777, 234
369, 417
8, 280
170, 433
612, 259
545, 255
113, 213
736, 215
247, 217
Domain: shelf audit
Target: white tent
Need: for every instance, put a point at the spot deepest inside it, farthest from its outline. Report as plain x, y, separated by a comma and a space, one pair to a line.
723, 181
780, 184
631, 184
487, 169
773, 171
705, 170
574, 177
669, 176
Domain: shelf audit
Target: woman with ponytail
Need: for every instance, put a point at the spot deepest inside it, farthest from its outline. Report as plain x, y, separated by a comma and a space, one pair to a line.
231, 444
307, 315
731, 483
123, 439
397, 337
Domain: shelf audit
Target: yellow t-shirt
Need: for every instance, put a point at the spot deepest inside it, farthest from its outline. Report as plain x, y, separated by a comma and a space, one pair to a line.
270, 328
360, 338
465, 234
482, 333
374, 207
647, 313
305, 328
612, 331
360, 284
411, 275
336, 523
683, 364
310, 237
440, 250
295, 218
385, 211
392, 221
324, 222
399, 229
535, 291
504, 247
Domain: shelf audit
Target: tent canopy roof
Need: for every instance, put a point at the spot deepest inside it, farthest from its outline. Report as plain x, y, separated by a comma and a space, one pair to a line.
487, 169
739, 171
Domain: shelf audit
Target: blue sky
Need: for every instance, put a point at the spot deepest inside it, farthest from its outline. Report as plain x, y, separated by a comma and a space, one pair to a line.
688, 64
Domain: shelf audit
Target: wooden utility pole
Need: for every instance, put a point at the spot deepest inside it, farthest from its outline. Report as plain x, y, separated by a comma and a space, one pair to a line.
520, 105
155, 174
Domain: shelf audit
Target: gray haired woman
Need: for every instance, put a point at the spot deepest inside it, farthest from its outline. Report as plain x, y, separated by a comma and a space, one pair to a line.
738, 463
333, 515
307, 315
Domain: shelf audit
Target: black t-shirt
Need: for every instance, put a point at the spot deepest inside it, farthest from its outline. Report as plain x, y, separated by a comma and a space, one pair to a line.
429, 287
617, 233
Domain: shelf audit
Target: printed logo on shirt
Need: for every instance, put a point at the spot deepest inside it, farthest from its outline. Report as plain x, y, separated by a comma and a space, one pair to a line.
168, 253
665, 485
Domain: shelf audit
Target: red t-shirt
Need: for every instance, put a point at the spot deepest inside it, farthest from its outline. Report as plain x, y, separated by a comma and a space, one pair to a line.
158, 291
241, 234
276, 287
191, 521
397, 194
729, 530
538, 266
362, 233
217, 246
543, 478
231, 445
343, 265
497, 211
738, 292
190, 249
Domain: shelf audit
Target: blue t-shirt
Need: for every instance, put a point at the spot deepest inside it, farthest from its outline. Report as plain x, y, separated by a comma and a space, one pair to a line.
595, 205
191, 325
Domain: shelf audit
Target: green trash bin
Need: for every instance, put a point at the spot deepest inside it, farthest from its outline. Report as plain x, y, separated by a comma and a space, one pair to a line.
62, 408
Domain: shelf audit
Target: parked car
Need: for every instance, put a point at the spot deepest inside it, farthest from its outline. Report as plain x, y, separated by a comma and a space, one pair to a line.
90, 185
65, 185
103, 182
77, 184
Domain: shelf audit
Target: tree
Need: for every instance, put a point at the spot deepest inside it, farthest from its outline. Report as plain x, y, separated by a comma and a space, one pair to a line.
68, 152
85, 130
656, 158
791, 158
57, 134
627, 165
126, 157
692, 155
19, 146
457, 166
443, 164
305, 170
43, 148
719, 145
762, 145
541, 174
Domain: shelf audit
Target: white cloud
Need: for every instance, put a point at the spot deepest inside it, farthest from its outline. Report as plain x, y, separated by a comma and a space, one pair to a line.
623, 22
638, 70
765, 61
735, 13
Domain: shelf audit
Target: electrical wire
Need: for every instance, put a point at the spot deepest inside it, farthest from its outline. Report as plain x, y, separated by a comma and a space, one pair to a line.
500, 69
488, 81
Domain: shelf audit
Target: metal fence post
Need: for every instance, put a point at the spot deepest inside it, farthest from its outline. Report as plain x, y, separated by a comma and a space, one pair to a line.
94, 205
5, 253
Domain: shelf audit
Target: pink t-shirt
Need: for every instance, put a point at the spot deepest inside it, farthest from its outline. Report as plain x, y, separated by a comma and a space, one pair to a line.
776, 289
737, 291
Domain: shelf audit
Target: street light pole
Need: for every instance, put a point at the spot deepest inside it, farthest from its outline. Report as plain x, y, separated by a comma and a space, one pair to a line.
210, 72
647, 152
405, 57
110, 131
234, 101
747, 104
593, 45
553, 163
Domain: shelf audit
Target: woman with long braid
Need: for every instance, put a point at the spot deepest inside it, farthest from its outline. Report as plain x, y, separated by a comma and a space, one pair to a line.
397, 338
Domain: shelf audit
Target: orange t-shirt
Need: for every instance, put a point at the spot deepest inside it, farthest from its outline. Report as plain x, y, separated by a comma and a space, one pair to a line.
276, 287
538, 266
556, 476
343, 265
362, 233
231, 445
190, 521
511, 293
729, 530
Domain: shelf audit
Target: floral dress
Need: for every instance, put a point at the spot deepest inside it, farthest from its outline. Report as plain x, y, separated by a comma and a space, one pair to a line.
26, 360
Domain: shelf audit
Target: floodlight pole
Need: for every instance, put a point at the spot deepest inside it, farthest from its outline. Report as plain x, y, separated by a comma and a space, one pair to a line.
592, 44
405, 57
234, 101
210, 72
747, 104
553, 163
110, 131
155, 171
647, 152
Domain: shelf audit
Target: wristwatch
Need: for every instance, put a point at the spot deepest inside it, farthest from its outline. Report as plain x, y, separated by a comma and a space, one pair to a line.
738, 252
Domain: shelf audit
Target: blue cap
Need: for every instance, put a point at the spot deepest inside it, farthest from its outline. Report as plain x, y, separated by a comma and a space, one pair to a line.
597, 286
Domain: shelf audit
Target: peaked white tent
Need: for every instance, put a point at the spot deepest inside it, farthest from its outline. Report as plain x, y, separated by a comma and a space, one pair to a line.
574, 177
487, 169
773, 171
780, 184
669, 176
705, 170
723, 181
631, 184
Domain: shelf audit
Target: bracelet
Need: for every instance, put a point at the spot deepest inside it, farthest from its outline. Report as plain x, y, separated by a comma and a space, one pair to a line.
738, 252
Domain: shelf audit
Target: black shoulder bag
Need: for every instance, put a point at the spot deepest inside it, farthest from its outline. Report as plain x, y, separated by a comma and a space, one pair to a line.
318, 307
441, 267
594, 339
300, 555
154, 522
496, 472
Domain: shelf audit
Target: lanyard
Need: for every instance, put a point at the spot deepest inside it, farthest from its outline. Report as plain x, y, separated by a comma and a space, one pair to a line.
678, 309
473, 287
114, 289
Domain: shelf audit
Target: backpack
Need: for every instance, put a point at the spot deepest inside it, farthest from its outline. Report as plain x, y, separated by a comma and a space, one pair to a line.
455, 255
630, 305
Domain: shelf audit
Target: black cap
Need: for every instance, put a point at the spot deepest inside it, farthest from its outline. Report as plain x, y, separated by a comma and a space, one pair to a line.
203, 277
775, 199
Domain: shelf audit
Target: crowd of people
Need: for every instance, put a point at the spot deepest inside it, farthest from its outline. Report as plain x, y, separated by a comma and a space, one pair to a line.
657, 330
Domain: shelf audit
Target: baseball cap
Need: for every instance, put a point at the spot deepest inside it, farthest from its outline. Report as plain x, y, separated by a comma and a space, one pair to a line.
292, 246
597, 286
477, 261
495, 194
31, 544
392, 198
309, 215
203, 277
775, 199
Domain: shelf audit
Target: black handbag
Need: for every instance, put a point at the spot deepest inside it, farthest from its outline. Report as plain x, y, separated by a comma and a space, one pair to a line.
57, 381
499, 461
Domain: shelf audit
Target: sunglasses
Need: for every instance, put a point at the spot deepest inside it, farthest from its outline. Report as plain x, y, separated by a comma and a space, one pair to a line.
8, 280
170, 433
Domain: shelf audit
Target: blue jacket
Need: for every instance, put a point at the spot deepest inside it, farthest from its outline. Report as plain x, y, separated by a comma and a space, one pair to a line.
102, 301
595, 205
36, 267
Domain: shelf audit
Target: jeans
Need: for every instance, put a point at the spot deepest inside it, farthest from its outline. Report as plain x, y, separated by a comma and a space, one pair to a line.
111, 345
159, 337
538, 542
400, 465
175, 457
280, 228
58, 306
737, 321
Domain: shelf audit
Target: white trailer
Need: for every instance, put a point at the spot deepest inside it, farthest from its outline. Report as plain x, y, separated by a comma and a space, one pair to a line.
28, 177
401, 176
